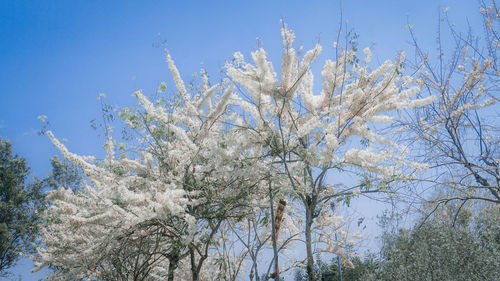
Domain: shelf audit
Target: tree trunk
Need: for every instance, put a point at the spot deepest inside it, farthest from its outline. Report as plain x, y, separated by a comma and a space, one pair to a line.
194, 273
172, 265
195, 268
255, 270
310, 257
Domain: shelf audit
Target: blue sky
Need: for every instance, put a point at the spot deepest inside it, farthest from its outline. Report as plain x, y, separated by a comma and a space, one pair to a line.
57, 56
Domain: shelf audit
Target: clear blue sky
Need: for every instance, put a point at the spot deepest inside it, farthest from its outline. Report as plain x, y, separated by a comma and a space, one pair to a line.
57, 56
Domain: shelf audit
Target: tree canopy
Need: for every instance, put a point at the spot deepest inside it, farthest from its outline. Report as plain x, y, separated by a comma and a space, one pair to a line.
20, 207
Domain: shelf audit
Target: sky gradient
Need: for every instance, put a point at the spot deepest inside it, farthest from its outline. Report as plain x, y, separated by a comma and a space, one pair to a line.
56, 57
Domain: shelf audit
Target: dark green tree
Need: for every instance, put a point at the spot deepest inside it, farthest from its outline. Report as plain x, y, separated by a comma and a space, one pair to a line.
20, 207
448, 245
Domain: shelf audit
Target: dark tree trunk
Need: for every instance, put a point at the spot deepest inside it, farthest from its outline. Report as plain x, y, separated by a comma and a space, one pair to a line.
172, 265
310, 257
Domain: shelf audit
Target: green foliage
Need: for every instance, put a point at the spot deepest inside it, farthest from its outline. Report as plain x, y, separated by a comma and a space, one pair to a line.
22, 204
363, 270
20, 207
64, 173
447, 246
455, 243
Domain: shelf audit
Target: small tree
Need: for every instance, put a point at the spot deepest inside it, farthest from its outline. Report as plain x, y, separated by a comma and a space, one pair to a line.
155, 216
459, 131
304, 137
20, 207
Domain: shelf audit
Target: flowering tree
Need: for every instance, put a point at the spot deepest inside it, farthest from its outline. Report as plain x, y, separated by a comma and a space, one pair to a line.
208, 163
304, 135
138, 219
459, 131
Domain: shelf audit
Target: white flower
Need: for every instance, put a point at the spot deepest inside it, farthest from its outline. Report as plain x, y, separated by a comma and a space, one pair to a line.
368, 54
